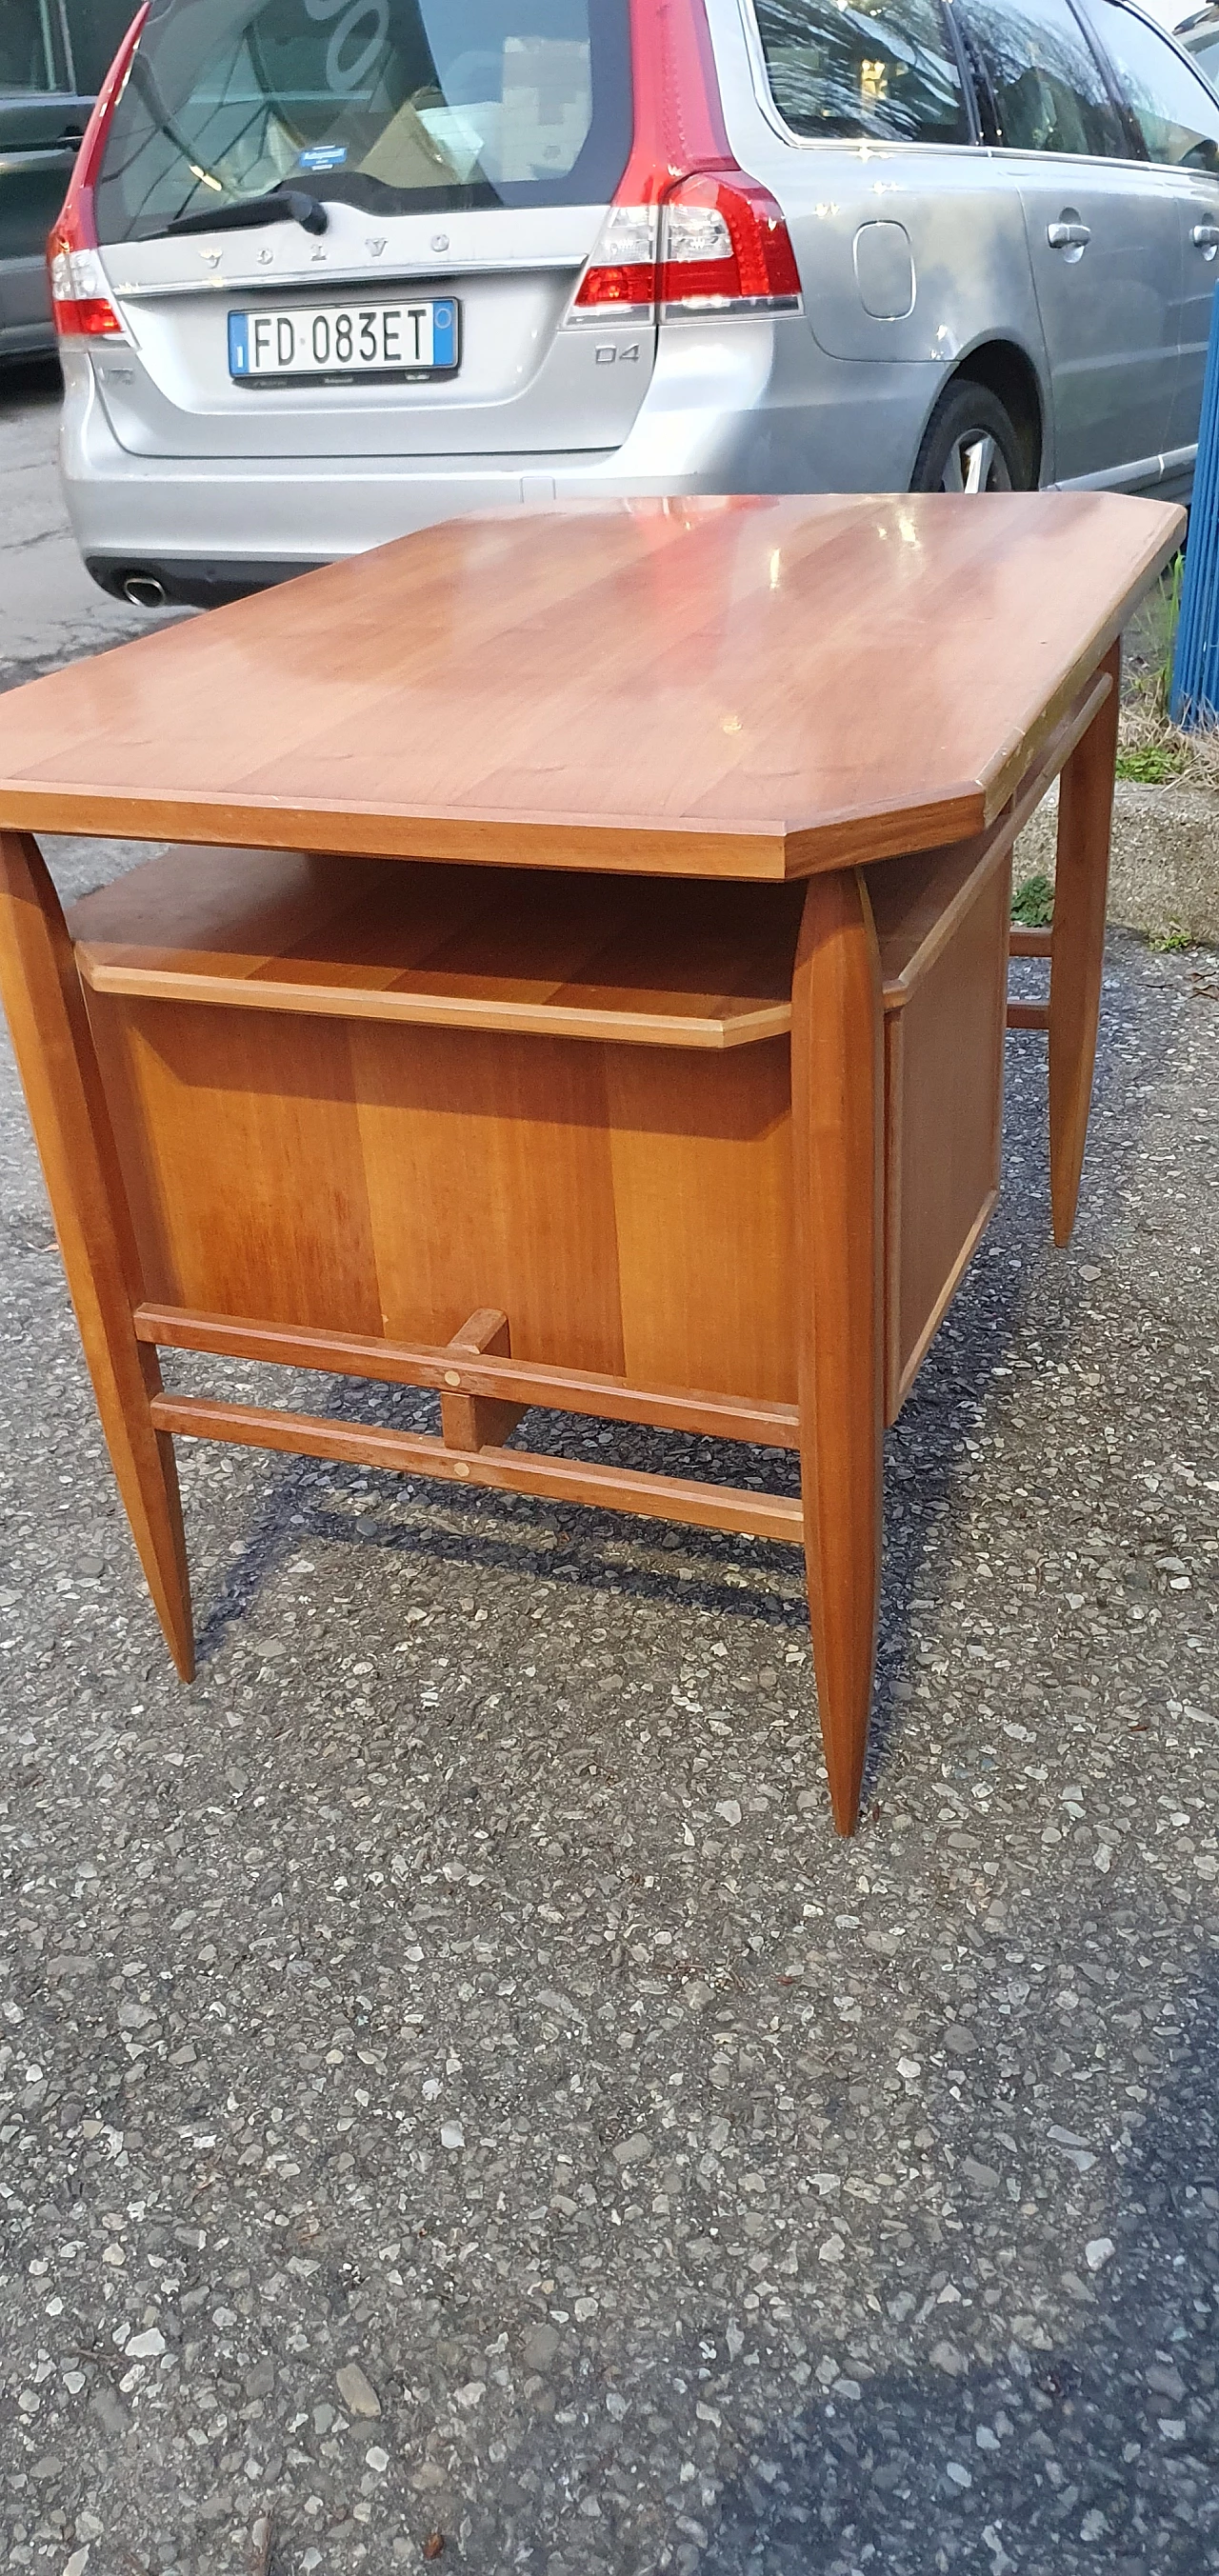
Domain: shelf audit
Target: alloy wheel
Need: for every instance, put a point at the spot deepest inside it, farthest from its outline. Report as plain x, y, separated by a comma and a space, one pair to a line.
976, 463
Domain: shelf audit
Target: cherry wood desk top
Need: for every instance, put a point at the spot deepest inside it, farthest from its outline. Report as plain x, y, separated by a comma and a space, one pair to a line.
749, 688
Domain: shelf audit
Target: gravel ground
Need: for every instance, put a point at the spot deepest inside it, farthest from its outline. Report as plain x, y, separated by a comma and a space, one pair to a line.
458, 2101
458, 2098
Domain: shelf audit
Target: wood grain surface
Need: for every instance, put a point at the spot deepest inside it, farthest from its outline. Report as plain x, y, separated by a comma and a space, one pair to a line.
387, 1363
509, 1471
1077, 944
837, 1136
71, 1120
755, 687
648, 1156
703, 966
943, 1116
477, 1421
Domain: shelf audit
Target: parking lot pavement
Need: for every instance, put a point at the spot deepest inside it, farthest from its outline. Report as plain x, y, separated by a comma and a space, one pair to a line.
50, 610
459, 2100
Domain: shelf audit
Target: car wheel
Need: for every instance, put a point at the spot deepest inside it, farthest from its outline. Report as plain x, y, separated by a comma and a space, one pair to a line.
970, 445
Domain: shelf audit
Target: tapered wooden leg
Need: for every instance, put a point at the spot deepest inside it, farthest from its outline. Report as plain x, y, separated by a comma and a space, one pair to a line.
837, 1123
58, 1068
1085, 814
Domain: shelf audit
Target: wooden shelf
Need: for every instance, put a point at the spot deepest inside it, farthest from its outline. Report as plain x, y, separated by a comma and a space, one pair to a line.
648, 964
638, 962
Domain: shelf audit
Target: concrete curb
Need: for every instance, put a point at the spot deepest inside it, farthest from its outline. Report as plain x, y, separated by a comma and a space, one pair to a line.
1164, 871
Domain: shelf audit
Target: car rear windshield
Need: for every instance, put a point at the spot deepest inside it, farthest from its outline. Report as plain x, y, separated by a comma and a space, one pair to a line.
396, 106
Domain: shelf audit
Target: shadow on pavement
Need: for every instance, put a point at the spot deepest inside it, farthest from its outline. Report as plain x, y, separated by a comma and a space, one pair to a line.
926, 1453
1099, 2454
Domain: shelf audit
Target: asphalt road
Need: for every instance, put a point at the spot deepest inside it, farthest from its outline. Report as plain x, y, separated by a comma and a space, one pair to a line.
458, 2101
50, 611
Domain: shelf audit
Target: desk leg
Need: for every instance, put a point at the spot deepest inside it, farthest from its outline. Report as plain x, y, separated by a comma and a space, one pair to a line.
1085, 814
58, 1068
837, 1132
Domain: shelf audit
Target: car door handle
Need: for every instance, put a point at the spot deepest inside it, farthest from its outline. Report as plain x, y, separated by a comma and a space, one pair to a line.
1206, 236
1068, 236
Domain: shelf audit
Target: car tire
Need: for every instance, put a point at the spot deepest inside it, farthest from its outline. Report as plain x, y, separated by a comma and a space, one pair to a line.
970, 444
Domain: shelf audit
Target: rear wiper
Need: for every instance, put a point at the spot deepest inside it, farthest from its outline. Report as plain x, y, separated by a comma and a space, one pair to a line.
279, 206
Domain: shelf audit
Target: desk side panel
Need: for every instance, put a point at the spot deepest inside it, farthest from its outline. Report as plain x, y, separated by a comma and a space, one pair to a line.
628, 1209
703, 1192
490, 1185
243, 1160
944, 1085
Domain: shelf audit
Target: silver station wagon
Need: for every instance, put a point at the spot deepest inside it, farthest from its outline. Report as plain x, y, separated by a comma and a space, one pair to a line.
332, 269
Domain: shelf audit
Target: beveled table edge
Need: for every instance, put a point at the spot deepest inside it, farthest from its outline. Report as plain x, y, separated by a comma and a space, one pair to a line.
635, 845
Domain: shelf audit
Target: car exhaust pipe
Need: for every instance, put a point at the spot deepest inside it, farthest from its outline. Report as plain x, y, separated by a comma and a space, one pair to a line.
144, 590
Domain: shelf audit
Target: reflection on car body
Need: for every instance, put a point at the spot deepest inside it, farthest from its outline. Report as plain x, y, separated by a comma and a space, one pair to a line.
687, 246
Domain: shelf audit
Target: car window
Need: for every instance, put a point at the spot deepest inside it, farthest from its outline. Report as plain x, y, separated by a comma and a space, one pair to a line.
396, 106
1175, 113
1204, 51
878, 67
94, 30
1049, 91
26, 62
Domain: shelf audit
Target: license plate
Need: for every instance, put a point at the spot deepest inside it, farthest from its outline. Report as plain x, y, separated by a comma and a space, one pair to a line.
419, 339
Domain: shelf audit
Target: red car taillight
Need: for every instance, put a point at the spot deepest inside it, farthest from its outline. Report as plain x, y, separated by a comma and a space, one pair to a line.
80, 303
725, 240
688, 230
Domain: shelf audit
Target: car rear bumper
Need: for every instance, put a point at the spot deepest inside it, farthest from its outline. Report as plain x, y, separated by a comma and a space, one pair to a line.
207, 533
764, 414
150, 579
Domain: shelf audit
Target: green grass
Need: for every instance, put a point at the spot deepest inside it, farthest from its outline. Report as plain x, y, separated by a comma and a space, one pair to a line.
1033, 904
1154, 637
1151, 764
1170, 941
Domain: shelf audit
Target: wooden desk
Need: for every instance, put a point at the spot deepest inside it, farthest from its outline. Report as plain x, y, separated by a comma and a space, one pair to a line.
699, 1127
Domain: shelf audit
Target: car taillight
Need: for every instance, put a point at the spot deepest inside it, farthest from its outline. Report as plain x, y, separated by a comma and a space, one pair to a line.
688, 231
80, 302
725, 241
622, 270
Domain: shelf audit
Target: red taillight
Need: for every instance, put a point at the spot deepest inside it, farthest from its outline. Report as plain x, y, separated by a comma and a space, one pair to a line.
688, 230
74, 309
622, 272
79, 300
724, 240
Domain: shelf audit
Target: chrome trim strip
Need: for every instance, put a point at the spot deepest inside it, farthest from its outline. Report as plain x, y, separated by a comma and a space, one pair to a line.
318, 281
1142, 469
